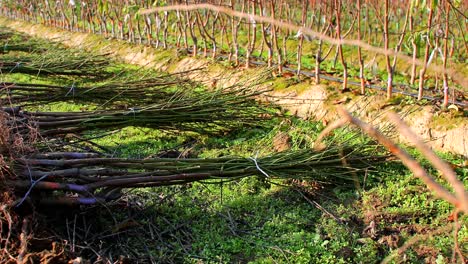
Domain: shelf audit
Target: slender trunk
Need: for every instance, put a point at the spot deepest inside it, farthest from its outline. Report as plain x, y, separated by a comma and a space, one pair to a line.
148, 30
121, 29
415, 52
426, 55
340, 47
235, 31
213, 35
191, 22
274, 38
251, 36
158, 24
223, 32
318, 60
361, 62
433, 56
202, 30
104, 25
131, 32
140, 36
287, 33
402, 37
249, 39
265, 39
318, 53
166, 25
446, 35
387, 56
301, 36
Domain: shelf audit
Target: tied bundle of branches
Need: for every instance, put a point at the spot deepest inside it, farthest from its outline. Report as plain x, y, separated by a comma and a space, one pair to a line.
207, 112
18, 42
56, 62
94, 179
5, 33
144, 91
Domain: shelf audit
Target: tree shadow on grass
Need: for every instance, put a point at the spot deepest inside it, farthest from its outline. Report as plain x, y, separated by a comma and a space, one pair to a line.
241, 221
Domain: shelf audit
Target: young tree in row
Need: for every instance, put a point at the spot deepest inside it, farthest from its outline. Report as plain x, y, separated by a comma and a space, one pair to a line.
324, 26
446, 54
301, 35
387, 56
338, 9
391, 67
422, 72
235, 25
274, 36
120, 18
360, 60
266, 30
251, 33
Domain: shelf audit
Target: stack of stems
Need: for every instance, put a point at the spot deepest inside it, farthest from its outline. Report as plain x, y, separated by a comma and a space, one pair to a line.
59, 62
142, 91
93, 177
209, 112
25, 44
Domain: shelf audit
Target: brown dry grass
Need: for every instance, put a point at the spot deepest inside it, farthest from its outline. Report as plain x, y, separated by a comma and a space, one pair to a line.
13, 223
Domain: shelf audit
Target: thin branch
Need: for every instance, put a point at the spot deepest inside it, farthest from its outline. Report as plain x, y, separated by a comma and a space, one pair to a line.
456, 247
24, 239
409, 162
438, 163
318, 206
319, 145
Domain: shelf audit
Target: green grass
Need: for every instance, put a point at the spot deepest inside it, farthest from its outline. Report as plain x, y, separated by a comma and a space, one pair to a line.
253, 220
257, 222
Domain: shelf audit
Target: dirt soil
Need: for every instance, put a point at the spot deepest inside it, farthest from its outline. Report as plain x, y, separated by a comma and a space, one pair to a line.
305, 99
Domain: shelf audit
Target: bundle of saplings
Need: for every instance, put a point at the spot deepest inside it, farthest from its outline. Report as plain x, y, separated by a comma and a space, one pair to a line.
144, 91
208, 112
88, 178
55, 62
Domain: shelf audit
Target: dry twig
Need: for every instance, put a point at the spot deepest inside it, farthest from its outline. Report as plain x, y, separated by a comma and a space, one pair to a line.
24, 238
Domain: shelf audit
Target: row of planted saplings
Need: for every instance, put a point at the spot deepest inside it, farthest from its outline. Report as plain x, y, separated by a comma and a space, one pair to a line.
429, 31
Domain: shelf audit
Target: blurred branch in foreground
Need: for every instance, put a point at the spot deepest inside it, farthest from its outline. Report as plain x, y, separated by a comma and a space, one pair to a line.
460, 196
459, 199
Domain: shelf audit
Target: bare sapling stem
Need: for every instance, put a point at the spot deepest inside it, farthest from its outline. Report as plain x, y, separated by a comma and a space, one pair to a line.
387, 56
415, 50
301, 36
400, 41
422, 72
446, 53
338, 7
361, 62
